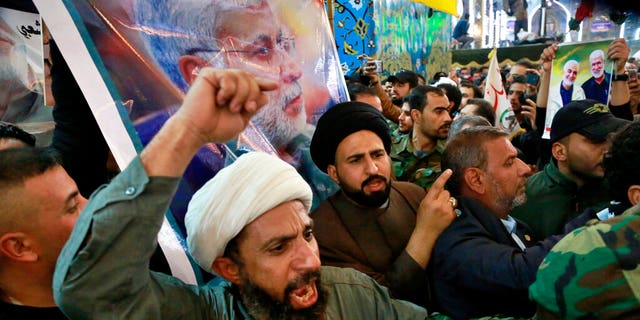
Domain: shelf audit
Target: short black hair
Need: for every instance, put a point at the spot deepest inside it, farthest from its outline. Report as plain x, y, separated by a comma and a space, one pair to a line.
19, 164
11, 131
477, 93
622, 163
359, 89
454, 94
484, 110
417, 99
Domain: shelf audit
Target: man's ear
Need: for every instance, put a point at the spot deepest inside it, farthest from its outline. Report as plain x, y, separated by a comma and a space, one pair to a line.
559, 151
633, 193
226, 268
189, 66
18, 246
333, 173
416, 115
473, 178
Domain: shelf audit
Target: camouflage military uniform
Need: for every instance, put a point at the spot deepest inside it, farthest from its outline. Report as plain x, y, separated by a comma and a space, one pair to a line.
393, 127
419, 167
593, 272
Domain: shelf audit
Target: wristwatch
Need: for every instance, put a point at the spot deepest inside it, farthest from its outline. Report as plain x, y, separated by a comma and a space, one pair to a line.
620, 77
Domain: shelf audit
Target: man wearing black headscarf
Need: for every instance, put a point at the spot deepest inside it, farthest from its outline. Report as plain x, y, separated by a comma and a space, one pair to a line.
383, 228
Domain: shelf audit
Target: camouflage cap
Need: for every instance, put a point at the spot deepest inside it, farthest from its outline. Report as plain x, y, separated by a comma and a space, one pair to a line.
592, 272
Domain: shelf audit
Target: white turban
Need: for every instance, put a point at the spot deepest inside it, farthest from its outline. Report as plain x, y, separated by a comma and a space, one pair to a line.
238, 194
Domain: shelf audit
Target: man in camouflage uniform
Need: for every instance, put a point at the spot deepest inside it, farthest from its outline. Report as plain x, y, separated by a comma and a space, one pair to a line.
593, 272
416, 156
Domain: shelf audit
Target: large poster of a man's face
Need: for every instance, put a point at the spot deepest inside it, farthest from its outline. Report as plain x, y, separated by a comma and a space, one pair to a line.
153, 50
580, 71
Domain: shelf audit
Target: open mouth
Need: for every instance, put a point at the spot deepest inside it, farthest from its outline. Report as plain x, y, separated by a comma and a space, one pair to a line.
305, 296
376, 184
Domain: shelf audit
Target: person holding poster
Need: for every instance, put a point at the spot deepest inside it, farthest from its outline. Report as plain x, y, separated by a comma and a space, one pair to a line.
597, 87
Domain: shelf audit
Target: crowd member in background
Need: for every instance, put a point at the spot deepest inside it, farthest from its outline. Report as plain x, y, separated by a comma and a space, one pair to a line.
467, 121
405, 122
527, 140
12, 136
468, 91
402, 83
460, 35
369, 95
479, 107
572, 181
454, 95
416, 157
518, 9
476, 78
483, 263
364, 94
381, 227
591, 273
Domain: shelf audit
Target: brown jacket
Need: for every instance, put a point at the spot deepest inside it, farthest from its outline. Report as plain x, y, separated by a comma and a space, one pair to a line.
373, 240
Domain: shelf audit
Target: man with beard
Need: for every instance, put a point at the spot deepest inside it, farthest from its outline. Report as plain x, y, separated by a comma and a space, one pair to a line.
385, 229
209, 35
597, 87
572, 181
416, 156
249, 224
483, 263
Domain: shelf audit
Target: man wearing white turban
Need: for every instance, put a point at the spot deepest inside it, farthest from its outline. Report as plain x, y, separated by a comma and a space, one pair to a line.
249, 224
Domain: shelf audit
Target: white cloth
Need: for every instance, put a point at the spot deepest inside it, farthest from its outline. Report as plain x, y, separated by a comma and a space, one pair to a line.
256, 183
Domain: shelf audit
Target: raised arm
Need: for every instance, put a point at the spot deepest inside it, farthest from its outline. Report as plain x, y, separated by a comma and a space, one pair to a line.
217, 107
547, 56
103, 270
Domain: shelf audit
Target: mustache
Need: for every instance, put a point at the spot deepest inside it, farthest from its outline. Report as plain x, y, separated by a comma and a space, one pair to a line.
371, 178
290, 93
300, 281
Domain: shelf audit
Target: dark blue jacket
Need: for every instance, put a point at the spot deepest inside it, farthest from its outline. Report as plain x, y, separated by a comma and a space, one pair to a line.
477, 269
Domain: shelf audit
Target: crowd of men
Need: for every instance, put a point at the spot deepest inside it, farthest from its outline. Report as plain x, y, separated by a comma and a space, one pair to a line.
436, 209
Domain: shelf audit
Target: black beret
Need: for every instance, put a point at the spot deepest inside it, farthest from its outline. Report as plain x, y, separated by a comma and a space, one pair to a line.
339, 122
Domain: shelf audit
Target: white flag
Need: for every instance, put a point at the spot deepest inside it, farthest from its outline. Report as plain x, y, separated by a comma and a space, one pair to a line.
495, 93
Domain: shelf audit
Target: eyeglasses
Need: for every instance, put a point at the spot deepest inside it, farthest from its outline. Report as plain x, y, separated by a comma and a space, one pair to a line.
264, 50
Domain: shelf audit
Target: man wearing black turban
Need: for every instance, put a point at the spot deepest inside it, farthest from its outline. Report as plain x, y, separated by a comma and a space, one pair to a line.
381, 227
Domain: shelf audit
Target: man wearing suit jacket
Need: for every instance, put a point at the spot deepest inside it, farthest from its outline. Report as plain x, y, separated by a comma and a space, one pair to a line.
484, 262
383, 228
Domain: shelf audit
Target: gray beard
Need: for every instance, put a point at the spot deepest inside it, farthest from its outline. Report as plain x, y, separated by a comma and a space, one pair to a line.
276, 125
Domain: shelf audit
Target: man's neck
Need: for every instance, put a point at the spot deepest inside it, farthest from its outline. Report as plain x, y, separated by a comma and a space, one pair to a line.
27, 289
422, 142
564, 169
599, 79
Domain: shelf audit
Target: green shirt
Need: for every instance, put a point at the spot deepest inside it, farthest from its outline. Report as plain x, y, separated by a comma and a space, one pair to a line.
416, 166
553, 200
593, 272
103, 270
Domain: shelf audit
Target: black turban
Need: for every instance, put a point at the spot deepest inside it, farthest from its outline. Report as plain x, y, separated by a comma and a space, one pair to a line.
339, 122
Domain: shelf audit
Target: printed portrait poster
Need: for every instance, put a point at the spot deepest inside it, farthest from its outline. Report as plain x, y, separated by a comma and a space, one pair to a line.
146, 53
22, 74
580, 71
